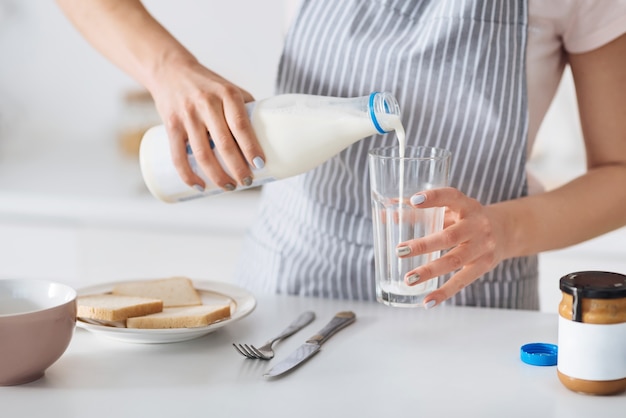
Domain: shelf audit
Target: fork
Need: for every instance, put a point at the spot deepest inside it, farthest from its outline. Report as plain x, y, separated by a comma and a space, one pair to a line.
265, 352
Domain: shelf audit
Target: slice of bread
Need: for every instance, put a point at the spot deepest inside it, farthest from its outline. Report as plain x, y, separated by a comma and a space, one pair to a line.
107, 307
185, 317
173, 291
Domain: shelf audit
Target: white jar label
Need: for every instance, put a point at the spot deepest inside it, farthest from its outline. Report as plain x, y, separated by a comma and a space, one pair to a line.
592, 351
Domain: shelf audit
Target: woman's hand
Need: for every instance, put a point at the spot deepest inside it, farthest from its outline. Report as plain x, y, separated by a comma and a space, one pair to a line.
196, 103
193, 101
473, 236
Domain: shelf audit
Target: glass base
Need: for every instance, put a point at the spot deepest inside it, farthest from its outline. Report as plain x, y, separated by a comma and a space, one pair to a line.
400, 295
401, 301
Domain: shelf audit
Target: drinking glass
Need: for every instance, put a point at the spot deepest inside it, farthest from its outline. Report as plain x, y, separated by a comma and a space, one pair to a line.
394, 179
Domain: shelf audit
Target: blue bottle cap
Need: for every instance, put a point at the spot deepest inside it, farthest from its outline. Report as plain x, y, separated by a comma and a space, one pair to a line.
539, 354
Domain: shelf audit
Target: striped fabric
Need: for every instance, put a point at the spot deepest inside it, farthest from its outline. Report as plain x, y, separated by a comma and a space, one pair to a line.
457, 68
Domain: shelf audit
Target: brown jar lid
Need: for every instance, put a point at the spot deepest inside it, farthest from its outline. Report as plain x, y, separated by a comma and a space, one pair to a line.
594, 285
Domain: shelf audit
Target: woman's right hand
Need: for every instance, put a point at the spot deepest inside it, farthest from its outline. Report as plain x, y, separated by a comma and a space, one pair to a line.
196, 103
193, 101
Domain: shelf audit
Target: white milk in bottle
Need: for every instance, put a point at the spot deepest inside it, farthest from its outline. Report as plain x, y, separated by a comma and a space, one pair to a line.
296, 131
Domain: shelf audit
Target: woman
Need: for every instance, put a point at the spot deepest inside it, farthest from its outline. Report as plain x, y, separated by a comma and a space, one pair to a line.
473, 77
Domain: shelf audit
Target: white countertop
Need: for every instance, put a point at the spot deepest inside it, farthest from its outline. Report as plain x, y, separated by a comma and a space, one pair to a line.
442, 362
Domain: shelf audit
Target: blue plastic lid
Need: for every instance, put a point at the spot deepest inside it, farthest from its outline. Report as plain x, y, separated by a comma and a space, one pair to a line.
383, 103
539, 354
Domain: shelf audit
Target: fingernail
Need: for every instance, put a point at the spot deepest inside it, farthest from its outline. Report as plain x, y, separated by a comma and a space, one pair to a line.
258, 162
198, 187
404, 250
430, 304
247, 181
412, 279
417, 199
229, 187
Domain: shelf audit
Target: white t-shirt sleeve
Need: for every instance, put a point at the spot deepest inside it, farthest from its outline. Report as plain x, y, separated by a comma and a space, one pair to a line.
592, 23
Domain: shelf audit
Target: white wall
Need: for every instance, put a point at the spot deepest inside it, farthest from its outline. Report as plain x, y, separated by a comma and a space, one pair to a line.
54, 86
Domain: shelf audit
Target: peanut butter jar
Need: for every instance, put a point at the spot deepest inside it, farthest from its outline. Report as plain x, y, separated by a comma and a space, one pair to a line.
592, 332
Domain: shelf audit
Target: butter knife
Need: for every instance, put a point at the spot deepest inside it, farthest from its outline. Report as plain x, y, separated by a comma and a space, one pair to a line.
312, 345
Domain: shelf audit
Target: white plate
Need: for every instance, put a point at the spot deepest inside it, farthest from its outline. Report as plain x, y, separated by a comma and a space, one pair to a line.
242, 303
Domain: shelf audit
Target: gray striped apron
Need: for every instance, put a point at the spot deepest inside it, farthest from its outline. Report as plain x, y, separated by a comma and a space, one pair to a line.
457, 68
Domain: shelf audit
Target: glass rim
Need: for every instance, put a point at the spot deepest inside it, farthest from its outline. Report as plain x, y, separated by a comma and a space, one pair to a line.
437, 153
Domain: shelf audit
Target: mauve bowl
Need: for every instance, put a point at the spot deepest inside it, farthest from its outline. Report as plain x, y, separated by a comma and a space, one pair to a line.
37, 321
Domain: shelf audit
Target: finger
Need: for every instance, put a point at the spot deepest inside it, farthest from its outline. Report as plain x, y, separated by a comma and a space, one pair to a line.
226, 145
446, 238
454, 260
241, 128
443, 197
180, 158
205, 157
454, 285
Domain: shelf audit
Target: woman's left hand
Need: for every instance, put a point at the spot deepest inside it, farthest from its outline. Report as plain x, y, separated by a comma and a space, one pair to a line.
473, 237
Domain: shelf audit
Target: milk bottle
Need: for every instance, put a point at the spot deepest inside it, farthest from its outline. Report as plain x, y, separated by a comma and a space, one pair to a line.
296, 131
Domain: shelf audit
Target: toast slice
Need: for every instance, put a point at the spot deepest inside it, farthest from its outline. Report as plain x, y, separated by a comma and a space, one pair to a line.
113, 308
182, 317
173, 291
